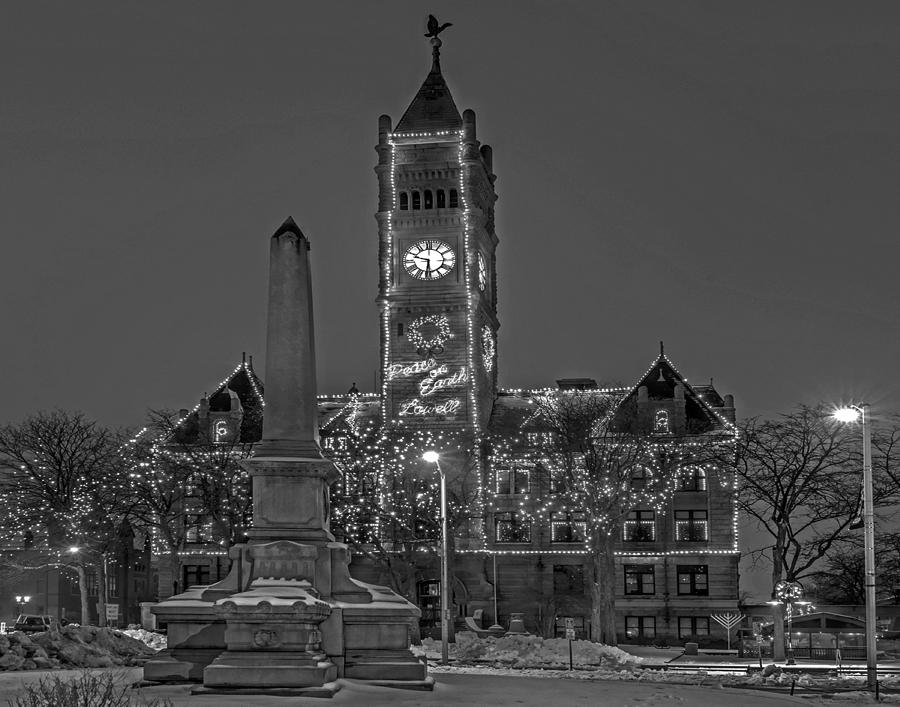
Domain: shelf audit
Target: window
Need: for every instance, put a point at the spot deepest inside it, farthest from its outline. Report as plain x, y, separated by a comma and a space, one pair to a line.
417, 200
336, 443
692, 579
197, 529
195, 574
92, 584
691, 526
567, 527
568, 579
693, 478
454, 199
512, 527
640, 579
112, 580
441, 199
404, 201
661, 422
640, 526
640, 626
640, 475
539, 439
399, 328
429, 201
693, 626
514, 479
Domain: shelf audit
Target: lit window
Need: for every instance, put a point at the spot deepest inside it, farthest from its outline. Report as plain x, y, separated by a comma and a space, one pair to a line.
539, 439
640, 526
661, 422
567, 527
404, 201
640, 579
336, 443
640, 626
691, 526
692, 579
512, 527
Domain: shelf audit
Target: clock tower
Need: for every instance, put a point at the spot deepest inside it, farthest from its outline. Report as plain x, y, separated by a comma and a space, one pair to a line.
437, 286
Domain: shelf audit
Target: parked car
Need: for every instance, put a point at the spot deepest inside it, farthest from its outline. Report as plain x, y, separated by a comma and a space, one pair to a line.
32, 623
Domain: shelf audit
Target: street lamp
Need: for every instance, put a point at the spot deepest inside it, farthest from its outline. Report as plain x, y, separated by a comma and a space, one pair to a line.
432, 457
851, 413
789, 593
21, 601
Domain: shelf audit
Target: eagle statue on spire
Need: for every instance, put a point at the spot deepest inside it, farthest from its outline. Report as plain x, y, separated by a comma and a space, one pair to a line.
434, 29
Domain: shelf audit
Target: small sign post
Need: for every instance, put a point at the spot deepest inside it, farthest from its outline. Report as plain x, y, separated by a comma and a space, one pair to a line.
2, 627
112, 613
570, 635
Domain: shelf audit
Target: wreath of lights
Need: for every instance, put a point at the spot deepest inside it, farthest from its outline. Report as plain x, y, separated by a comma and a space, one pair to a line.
427, 346
488, 347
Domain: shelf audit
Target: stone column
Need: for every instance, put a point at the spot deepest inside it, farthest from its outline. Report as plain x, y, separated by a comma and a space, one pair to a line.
290, 427
290, 475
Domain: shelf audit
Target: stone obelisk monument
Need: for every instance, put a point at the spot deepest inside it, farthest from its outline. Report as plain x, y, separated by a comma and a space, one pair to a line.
289, 618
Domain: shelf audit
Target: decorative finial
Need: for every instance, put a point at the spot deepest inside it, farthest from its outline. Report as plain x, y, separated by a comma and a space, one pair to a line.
662, 349
434, 29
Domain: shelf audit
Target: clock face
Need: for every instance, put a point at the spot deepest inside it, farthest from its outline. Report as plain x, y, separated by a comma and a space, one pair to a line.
482, 273
429, 260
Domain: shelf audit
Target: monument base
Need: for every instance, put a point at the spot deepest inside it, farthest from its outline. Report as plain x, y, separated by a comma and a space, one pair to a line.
327, 690
255, 669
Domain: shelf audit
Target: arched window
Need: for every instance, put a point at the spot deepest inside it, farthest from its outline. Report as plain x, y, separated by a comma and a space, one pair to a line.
404, 201
441, 199
693, 478
661, 422
454, 199
640, 476
417, 201
429, 203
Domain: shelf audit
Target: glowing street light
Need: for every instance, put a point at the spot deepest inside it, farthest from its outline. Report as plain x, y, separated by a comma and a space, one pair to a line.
21, 601
851, 413
432, 457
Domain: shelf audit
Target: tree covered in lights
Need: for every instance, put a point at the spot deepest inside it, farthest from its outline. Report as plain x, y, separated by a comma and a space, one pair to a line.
387, 505
606, 468
190, 491
65, 496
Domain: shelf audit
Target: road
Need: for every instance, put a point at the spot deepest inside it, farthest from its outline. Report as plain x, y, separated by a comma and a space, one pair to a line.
457, 689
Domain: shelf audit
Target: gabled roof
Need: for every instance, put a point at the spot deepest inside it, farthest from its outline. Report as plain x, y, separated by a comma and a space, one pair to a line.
660, 380
433, 107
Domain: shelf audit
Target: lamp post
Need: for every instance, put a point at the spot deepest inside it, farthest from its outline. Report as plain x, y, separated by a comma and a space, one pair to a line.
21, 601
433, 457
852, 413
789, 593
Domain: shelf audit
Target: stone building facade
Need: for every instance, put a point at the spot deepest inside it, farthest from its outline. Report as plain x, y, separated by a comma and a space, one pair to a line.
676, 562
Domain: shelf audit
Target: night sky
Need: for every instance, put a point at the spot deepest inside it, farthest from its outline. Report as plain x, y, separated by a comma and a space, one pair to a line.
719, 175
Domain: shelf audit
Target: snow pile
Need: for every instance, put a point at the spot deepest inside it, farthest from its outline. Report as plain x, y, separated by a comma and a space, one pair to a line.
71, 647
527, 651
156, 641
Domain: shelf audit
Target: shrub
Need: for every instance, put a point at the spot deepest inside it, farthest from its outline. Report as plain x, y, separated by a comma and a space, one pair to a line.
87, 690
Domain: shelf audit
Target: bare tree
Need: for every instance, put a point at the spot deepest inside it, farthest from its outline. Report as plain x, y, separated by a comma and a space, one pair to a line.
65, 489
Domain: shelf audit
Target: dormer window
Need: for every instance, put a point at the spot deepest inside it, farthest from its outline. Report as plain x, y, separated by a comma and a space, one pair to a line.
661, 422
404, 201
